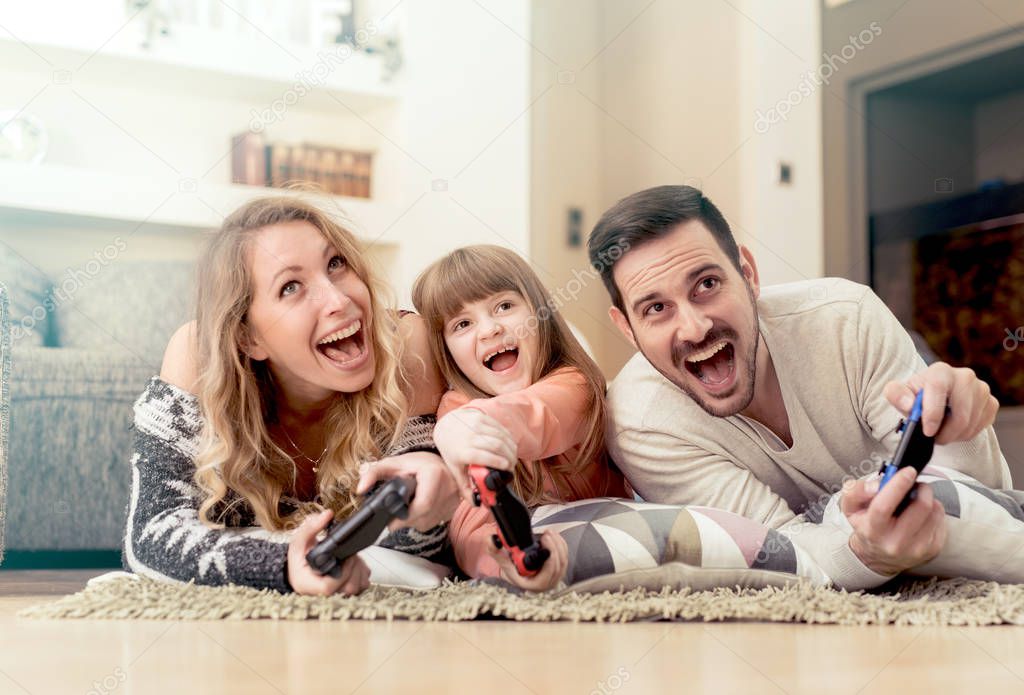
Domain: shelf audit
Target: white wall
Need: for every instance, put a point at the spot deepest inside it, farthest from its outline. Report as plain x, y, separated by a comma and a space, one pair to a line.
781, 223
676, 99
465, 88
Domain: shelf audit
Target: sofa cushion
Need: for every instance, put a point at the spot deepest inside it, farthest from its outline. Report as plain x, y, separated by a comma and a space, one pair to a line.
128, 307
71, 413
5, 372
29, 302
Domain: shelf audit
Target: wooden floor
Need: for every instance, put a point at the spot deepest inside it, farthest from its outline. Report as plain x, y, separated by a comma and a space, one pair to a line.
487, 657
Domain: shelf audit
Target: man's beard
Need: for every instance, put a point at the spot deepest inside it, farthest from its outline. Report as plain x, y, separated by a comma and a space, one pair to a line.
680, 352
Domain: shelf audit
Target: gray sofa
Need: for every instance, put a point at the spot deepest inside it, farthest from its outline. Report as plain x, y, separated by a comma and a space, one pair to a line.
81, 349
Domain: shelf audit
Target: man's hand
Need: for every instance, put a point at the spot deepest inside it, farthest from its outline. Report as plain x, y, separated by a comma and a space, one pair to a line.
888, 544
436, 496
972, 406
550, 574
466, 437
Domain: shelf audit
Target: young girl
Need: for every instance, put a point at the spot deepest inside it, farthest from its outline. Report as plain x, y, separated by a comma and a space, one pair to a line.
525, 395
292, 375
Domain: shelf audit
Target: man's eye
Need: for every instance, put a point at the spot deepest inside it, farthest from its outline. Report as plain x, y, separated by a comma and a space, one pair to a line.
335, 263
289, 288
708, 284
657, 307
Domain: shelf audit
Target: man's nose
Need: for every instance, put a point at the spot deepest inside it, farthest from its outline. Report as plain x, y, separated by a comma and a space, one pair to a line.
692, 325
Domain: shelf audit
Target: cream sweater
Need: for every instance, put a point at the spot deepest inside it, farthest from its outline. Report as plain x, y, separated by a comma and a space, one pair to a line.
834, 346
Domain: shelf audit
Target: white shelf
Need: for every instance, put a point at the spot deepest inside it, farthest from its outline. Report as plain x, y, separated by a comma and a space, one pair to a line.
196, 60
60, 195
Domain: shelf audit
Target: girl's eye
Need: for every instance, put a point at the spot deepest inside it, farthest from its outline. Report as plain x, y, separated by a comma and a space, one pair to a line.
335, 263
289, 288
655, 308
460, 325
505, 306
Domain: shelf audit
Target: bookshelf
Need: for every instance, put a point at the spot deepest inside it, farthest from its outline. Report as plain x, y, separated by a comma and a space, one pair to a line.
55, 194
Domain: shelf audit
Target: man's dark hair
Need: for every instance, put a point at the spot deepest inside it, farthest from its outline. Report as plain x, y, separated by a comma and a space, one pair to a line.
648, 215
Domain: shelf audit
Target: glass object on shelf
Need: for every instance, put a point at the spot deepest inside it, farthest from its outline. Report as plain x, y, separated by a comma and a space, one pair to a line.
23, 137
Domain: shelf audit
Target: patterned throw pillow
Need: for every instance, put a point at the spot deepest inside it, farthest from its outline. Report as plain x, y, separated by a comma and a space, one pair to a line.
610, 536
30, 305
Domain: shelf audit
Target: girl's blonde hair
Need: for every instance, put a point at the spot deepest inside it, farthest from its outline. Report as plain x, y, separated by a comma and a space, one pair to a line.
237, 394
476, 272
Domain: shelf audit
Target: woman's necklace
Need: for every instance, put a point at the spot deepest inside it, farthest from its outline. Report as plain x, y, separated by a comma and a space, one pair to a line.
316, 463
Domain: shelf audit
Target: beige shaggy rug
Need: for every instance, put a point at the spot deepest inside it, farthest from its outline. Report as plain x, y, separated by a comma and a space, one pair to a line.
932, 602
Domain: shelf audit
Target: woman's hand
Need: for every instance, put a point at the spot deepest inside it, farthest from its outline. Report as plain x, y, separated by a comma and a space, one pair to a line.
355, 575
550, 574
436, 496
466, 437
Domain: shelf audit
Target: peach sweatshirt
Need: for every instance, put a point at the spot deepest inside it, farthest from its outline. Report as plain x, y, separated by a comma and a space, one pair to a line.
547, 420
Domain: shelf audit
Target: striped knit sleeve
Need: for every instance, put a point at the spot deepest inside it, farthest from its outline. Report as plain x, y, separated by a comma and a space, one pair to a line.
164, 538
418, 435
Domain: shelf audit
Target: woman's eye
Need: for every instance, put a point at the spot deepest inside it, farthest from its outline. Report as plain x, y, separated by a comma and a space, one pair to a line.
335, 263
289, 288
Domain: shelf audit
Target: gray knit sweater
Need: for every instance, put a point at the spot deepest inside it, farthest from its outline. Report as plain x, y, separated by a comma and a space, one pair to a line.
164, 538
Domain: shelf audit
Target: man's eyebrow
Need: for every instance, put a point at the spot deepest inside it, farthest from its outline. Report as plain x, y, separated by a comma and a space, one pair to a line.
694, 274
690, 277
647, 297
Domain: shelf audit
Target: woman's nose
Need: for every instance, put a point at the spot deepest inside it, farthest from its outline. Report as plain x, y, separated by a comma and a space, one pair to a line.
331, 297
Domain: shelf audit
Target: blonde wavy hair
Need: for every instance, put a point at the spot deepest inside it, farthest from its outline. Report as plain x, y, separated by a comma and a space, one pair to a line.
473, 273
237, 394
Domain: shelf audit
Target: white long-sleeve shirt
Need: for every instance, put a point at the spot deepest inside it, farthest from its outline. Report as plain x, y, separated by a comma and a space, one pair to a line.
834, 345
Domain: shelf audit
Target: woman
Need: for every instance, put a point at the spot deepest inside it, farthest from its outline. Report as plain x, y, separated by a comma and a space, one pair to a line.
292, 376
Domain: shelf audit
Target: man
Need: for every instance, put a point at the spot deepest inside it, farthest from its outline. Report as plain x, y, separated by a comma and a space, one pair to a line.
764, 403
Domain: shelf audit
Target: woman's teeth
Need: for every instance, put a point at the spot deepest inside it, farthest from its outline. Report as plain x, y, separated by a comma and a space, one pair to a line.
350, 330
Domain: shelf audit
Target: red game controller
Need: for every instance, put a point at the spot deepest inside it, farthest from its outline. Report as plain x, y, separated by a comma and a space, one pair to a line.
493, 489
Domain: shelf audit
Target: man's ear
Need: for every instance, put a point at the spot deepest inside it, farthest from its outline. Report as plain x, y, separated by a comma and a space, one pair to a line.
622, 323
748, 267
251, 345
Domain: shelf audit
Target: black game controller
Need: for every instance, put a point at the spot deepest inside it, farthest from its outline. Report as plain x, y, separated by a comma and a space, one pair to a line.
386, 501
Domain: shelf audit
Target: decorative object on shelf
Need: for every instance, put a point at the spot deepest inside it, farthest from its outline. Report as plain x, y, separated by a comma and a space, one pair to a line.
23, 137
336, 171
332, 22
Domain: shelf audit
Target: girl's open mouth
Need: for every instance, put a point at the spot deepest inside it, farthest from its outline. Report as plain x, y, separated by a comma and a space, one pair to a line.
714, 367
344, 345
502, 360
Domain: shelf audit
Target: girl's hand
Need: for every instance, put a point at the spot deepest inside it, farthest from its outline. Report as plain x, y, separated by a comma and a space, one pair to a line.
436, 494
355, 575
550, 574
466, 437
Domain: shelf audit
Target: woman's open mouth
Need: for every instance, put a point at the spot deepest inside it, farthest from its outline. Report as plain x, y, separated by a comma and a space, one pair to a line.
715, 367
345, 345
503, 359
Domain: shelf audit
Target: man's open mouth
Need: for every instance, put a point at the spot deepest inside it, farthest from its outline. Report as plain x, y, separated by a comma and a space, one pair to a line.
345, 344
713, 366
502, 359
